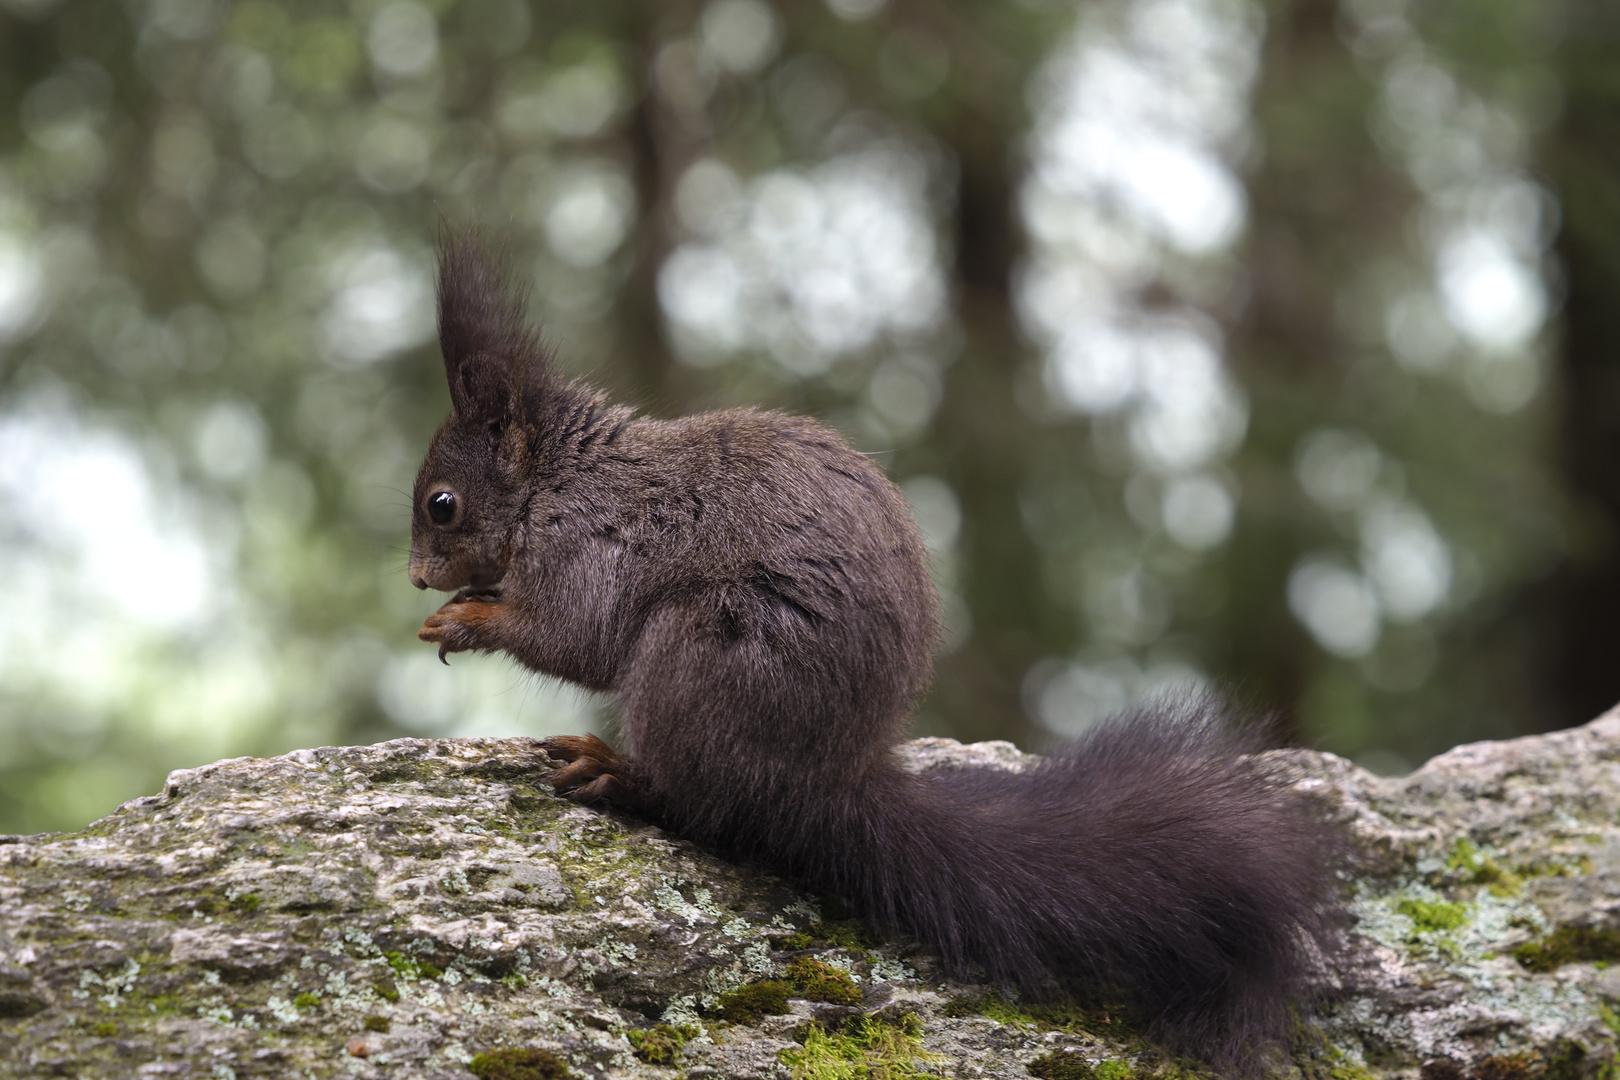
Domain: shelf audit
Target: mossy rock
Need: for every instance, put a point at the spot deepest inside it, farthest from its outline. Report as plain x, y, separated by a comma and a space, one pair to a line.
433, 901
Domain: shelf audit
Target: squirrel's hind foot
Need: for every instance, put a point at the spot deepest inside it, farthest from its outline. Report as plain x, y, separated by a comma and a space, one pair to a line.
594, 773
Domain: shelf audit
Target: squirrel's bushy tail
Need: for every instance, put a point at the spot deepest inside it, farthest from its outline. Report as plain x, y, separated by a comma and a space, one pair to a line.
1154, 862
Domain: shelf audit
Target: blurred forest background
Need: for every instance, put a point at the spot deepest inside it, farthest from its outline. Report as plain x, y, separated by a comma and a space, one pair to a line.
1274, 343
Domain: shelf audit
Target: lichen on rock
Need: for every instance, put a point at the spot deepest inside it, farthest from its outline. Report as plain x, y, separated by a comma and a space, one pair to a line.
1486, 913
409, 908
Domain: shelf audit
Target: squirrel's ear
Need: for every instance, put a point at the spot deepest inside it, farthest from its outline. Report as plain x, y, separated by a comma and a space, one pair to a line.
482, 392
496, 366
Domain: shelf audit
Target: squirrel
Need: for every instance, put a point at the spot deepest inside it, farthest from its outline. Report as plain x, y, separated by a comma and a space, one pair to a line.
756, 595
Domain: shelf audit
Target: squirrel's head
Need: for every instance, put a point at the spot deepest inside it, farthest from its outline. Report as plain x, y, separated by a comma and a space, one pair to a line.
482, 463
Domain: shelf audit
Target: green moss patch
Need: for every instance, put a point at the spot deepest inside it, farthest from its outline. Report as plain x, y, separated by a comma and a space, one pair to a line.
1347, 1071
844, 934
867, 1048
379, 1024
1434, 915
411, 967
815, 980
807, 977
1565, 1060
991, 1007
746, 1004
1569, 945
403, 771
525, 1063
1068, 1065
1549, 868
1474, 867
1466, 860
850, 934
660, 1044
1038, 1016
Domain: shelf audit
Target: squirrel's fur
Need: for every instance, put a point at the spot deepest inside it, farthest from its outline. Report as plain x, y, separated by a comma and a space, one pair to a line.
755, 594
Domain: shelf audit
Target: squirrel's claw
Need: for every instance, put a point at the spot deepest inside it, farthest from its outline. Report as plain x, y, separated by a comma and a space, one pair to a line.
606, 788
462, 624
575, 747
570, 777
594, 773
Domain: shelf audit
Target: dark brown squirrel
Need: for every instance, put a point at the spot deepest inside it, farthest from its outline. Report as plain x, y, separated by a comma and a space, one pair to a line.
755, 594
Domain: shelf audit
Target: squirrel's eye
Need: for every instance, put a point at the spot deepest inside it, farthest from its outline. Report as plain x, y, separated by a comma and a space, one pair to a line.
442, 507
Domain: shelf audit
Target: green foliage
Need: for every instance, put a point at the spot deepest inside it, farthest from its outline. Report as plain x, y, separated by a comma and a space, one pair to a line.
307, 1000
380, 1024
524, 1063
191, 287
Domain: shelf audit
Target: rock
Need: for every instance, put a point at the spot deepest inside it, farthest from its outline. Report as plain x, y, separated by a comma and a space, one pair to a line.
1485, 914
396, 910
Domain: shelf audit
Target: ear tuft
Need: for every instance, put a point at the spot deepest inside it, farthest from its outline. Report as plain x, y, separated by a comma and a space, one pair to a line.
482, 390
494, 360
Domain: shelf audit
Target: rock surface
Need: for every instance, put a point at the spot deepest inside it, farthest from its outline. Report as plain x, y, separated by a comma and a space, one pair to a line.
396, 910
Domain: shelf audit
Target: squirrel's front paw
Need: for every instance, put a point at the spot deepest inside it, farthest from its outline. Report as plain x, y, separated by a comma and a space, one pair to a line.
463, 623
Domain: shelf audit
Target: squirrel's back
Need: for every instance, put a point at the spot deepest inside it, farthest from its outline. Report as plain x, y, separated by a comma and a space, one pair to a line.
761, 485
794, 543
